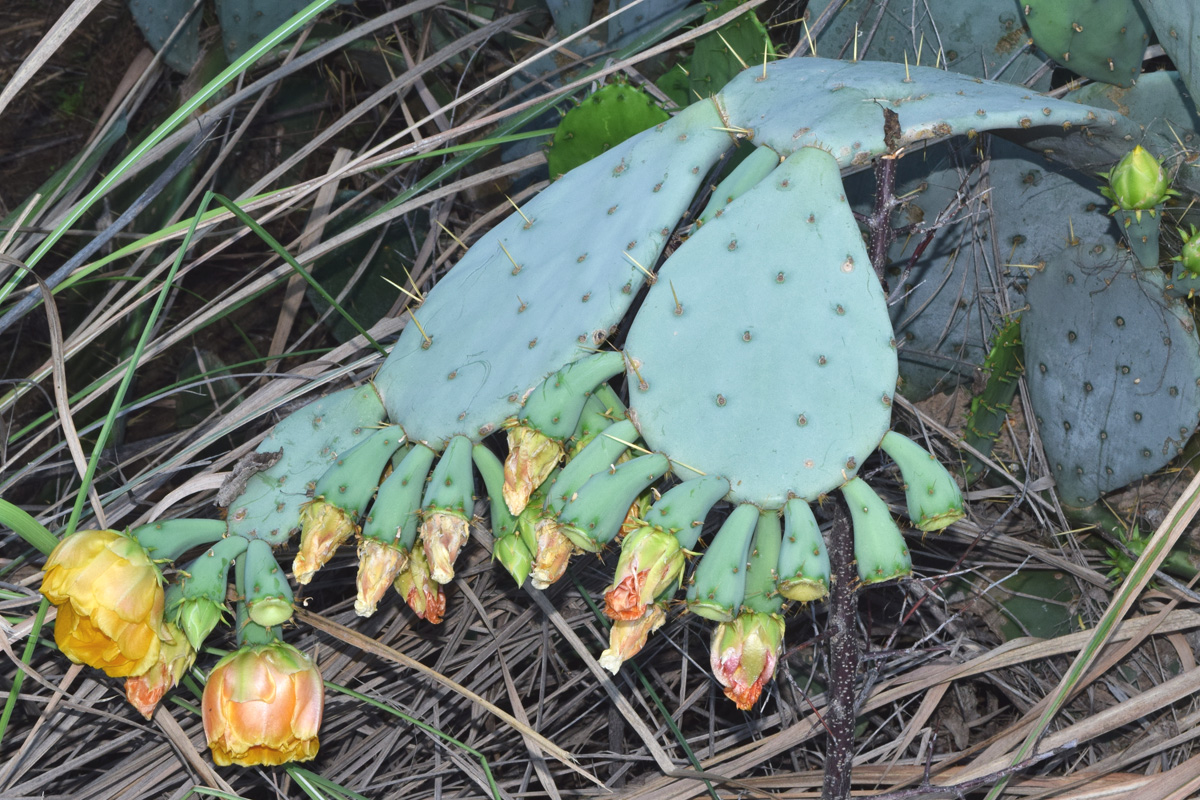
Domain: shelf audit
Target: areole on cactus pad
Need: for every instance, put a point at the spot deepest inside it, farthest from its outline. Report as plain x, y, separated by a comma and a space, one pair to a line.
759, 370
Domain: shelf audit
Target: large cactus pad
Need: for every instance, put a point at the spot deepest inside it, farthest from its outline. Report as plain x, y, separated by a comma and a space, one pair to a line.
784, 382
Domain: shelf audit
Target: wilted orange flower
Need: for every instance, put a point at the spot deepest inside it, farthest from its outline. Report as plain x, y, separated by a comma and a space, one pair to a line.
443, 533
262, 706
627, 637
651, 563
532, 456
110, 602
323, 528
423, 594
175, 656
378, 566
554, 551
744, 654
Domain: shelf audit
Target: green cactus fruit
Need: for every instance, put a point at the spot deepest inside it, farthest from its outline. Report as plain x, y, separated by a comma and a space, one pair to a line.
933, 496
1138, 182
203, 583
752, 169
598, 456
989, 409
395, 514
447, 508
554, 408
508, 548
1185, 279
773, 431
718, 585
350, 482
722, 54
804, 574
307, 442
1111, 364
682, 509
558, 277
265, 588
762, 575
1099, 39
169, 539
595, 512
603, 119
879, 548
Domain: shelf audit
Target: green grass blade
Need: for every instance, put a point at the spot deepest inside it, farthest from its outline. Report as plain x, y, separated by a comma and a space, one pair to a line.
27, 527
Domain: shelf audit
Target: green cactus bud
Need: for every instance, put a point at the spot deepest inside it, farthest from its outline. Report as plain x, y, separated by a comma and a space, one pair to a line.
264, 586
202, 589
514, 556
1137, 182
719, 583
803, 562
934, 500
1189, 254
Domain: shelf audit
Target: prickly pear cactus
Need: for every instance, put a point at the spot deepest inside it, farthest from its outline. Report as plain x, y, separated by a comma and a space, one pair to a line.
1113, 404
1099, 39
602, 120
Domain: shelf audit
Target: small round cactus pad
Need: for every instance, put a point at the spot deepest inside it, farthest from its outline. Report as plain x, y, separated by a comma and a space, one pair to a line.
783, 381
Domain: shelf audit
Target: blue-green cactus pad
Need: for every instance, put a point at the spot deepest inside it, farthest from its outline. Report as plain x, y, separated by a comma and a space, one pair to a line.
976, 37
496, 335
158, 18
780, 370
1177, 23
838, 106
311, 439
1112, 366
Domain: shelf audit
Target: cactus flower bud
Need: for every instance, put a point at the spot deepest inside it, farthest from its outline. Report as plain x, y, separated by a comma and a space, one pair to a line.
515, 556
423, 594
1189, 254
110, 602
197, 618
554, 551
262, 706
744, 654
1137, 182
175, 656
627, 637
443, 533
378, 566
323, 528
651, 564
532, 456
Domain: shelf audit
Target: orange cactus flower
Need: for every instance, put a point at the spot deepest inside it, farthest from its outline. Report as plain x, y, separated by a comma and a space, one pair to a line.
110, 602
262, 706
175, 656
532, 456
423, 594
744, 655
627, 637
554, 551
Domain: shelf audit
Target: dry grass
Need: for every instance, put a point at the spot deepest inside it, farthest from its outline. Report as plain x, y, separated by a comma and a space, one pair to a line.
510, 673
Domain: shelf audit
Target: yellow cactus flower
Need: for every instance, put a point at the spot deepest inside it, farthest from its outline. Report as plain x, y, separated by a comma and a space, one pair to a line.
744, 654
110, 602
262, 706
323, 528
627, 637
443, 533
175, 656
651, 563
532, 456
378, 566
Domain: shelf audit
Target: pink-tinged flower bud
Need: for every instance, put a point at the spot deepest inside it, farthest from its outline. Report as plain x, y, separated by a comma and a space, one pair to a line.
744, 654
110, 602
423, 595
175, 657
443, 533
323, 528
627, 637
262, 706
378, 566
650, 565
1137, 182
532, 456
554, 551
